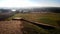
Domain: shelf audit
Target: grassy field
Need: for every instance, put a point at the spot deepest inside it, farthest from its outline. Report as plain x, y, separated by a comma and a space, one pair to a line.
47, 18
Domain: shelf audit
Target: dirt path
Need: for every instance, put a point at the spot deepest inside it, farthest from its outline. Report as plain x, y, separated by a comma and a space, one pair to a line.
11, 27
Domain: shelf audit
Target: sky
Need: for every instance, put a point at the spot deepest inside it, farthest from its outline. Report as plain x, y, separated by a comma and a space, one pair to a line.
29, 3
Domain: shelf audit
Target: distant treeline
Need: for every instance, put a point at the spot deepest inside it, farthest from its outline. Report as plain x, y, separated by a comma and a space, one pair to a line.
34, 10
48, 9
55, 10
5, 13
4, 10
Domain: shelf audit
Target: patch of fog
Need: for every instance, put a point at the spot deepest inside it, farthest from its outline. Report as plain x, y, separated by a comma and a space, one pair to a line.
13, 10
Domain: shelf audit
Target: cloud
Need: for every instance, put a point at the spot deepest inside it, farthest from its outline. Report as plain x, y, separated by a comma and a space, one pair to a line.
47, 3
17, 3
27, 3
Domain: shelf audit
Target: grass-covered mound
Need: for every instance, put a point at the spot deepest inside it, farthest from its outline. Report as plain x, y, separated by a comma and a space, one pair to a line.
47, 18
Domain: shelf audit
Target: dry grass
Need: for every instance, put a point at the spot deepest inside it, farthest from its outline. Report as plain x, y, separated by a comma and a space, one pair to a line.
10, 27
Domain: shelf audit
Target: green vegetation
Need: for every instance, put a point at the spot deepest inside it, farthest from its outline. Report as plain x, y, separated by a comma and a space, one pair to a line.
33, 29
47, 18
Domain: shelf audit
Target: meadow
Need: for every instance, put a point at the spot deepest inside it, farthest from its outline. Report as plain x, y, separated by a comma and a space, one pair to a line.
46, 18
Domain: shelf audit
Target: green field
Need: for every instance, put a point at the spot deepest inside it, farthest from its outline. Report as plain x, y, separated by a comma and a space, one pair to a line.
47, 18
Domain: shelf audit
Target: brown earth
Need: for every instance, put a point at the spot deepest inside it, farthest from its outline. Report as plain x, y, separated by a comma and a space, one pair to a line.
11, 27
